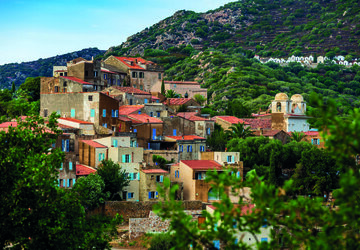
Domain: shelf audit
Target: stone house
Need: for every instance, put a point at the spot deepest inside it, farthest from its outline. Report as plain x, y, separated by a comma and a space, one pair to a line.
203, 127
149, 181
67, 170
94, 107
227, 121
91, 153
64, 84
315, 138
192, 173
129, 95
130, 160
169, 155
186, 89
82, 127
178, 126
88, 71
126, 140
189, 146
176, 103
149, 130
141, 74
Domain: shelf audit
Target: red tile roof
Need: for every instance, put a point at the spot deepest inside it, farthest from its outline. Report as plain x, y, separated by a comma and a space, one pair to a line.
316, 133
108, 71
129, 109
74, 120
186, 138
155, 171
93, 144
202, 164
125, 119
144, 118
259, 123
232, 119
75, 79
131, 90
131, 62
155, 98
182, 82
84, 170
192, 116
177, 101
8, 124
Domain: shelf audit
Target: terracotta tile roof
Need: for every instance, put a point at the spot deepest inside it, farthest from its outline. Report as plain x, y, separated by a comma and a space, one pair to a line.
74, 120
75, 79
128, 109
84, 170
131, 62
182, 82
155, 171
192, 116
155, 98
125, 119
177, 101
311, 133
259, 123
93, 144
8, 124
65, 126
202, 164
131, 90
144, 118
186, 137
107, 71
232, 119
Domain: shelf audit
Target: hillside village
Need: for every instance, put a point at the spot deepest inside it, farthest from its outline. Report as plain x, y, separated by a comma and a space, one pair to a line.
114, 110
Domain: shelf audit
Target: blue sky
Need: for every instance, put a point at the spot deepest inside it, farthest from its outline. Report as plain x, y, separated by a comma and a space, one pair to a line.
33, 29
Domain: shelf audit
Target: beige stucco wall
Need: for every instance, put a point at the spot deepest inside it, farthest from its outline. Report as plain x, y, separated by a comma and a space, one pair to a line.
123, 141
222, 157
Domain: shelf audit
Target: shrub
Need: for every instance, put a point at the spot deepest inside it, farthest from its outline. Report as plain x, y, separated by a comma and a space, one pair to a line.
162, 241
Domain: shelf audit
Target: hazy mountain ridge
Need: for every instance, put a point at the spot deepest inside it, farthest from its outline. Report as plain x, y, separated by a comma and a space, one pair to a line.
18, 72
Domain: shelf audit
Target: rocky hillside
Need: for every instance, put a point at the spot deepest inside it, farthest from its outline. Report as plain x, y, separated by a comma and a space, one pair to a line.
271, 28
18, 72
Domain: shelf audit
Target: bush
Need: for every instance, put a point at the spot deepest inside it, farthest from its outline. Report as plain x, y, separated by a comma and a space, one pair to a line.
161, 241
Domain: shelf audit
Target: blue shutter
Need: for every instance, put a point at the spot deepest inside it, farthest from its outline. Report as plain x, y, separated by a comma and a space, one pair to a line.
156, 195
104, 112
135, 130
318, 141
99, 156
129, 195
174, 132
158, 114
146, 101
67, 145
70, 165
129, 158
264, 239
116, 113
92, 113
312, 141
154, 133
68, 182
199, 176
115, 143
238, 174
103, 156
216, 244
149, 195
123, 158
112, 113
72, 113
190, 148
74, 180
139, 112
161, 178
138, 176
58, 182
61, 166
63, 145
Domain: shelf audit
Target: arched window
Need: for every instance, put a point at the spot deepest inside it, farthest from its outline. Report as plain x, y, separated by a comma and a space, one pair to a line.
278, 107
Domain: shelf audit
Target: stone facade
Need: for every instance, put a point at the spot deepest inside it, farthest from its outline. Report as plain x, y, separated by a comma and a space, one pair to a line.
169, 155
178, 126
149, 181
190, 88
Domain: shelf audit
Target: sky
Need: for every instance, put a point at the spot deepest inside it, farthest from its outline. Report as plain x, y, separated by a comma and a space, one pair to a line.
33, 29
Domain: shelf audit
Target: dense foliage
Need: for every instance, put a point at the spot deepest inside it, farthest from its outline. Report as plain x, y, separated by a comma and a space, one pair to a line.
294, 221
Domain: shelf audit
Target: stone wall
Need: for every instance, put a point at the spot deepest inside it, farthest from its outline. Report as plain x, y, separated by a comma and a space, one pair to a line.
133, 209
153, 224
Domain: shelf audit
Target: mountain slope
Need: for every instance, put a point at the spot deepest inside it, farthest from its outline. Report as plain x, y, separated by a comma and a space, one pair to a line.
272, 28
18, 72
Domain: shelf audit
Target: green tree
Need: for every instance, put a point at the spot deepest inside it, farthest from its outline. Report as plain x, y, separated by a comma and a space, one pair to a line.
163, 87
31, 86
199, 99
161, 162
217, 140
114, 177
172, 94
237, 108
91, 191
297, 136
238, 130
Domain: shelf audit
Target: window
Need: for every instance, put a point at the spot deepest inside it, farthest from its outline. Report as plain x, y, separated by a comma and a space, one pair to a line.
230, 159
141, 87
159, 178
104, 112
135, 130
126, 158
199, 176
70, 166
61, 74
189, 148
154, 133
141, 74
145, 100
153, 195
56, 89
159, 76
151, 114
174, 85
86, 73
104, 125
101, 156
134, 74
174, 132
139, 112
130, 195
65, 84
315, 141
105, 76
202, 148
131, 102
65, 145
208, 132
45, 112
135, 176
158, 114
115, 143
264, 239
72, 113
95, 73
61, 166
92, 112
90, 97
177, 174
181, 148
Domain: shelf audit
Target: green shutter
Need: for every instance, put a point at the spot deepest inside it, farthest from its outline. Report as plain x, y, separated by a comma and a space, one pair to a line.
123, 158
